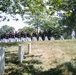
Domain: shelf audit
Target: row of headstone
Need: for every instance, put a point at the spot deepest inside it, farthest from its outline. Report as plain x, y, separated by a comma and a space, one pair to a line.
21, 52
20, 56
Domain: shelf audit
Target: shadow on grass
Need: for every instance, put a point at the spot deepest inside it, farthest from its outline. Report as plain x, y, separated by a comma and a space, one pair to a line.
31, 67
11, 57
14, 67
68, 68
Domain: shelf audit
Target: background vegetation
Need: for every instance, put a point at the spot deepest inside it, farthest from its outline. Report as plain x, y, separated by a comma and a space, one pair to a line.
57, 15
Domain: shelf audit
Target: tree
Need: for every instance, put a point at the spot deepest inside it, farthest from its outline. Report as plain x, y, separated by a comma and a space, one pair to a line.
66, 10
6, 28
27, 29
50, 24
14, 7
36, 20
69, 16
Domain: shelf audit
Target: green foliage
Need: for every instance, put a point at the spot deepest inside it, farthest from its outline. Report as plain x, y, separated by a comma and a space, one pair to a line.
56, 4
37, 19
4, 4
27, 29
37, 8
51, 24
14, 7
69, 6
7, 29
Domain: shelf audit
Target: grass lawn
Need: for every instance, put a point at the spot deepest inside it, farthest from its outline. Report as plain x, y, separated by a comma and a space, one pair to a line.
56, 57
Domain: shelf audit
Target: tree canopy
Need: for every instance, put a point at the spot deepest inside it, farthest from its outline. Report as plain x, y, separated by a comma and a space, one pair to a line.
37, 8
14, 7
7, 29
69, 16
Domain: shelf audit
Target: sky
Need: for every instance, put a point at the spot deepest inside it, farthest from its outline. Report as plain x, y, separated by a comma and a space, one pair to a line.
16, 24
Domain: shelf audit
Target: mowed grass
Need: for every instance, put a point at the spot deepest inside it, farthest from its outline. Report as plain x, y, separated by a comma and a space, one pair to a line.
56, 57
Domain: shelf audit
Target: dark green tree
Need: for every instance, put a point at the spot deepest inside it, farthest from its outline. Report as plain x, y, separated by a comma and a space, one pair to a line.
69, 8
67, 18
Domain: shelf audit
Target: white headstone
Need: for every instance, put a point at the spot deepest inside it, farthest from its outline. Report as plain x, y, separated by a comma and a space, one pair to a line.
29, 48
2, 60
20, 52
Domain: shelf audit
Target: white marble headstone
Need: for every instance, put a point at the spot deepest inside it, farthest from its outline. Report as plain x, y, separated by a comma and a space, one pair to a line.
20, 52
29, 48
2, 60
